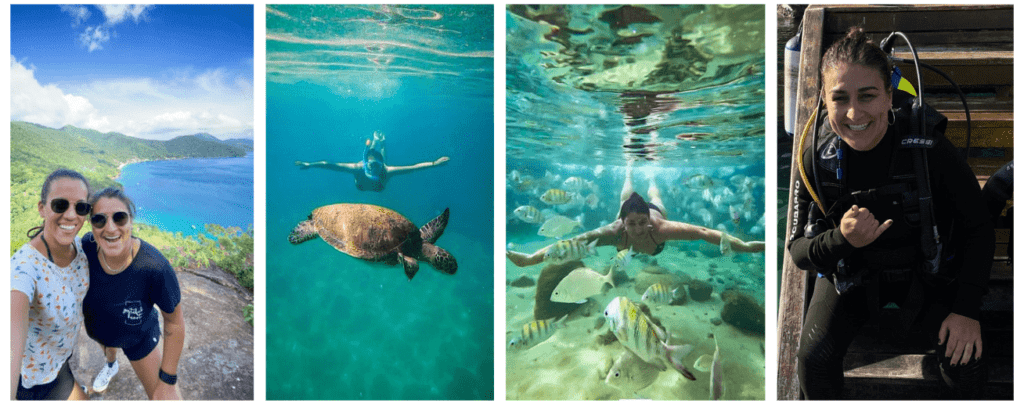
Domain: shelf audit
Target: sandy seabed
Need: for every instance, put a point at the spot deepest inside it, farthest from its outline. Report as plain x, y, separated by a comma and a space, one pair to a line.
573, 363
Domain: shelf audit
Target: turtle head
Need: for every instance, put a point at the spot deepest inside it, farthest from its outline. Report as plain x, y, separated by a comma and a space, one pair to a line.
440, 259
303, 232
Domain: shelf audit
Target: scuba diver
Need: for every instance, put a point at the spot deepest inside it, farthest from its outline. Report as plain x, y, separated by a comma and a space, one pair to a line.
878, 199
372, 173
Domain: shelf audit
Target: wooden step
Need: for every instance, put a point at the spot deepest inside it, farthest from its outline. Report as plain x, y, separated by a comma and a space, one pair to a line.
988, 24
969, 69
988, 129
987, 166
915, 367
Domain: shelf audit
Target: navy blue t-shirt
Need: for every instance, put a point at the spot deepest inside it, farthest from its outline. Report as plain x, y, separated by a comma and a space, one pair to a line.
118, 308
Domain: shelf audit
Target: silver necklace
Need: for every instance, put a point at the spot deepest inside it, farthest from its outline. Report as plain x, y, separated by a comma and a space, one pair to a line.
103, 259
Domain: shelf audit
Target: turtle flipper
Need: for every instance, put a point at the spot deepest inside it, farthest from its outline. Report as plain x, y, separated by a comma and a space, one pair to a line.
433, 229
303, 232
410, 265
439, 258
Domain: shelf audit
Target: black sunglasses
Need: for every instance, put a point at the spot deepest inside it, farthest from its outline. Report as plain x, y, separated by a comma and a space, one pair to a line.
61, 205
99, 220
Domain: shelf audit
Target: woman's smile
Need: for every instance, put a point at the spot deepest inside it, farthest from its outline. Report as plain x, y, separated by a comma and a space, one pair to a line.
858, 105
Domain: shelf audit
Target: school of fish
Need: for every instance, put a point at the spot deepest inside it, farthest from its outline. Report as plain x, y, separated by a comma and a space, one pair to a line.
557, 205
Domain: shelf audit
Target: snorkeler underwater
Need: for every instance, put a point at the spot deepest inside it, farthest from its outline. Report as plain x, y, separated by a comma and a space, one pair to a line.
380, 141
635, 202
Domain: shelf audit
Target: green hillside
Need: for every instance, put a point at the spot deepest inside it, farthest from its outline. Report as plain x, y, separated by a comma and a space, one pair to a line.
243, 143
37, 150
198, 146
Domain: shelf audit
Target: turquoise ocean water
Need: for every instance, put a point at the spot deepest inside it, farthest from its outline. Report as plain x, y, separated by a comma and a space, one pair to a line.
184, 195
339, 327
676, 93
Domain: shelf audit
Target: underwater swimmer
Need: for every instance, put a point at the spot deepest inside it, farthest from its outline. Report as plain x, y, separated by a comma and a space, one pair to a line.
641, 228
371, 173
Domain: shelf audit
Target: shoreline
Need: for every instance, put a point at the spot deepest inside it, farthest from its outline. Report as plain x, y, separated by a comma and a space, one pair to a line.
120, 166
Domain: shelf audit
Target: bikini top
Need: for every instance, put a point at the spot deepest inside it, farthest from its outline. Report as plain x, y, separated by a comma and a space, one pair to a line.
657, 249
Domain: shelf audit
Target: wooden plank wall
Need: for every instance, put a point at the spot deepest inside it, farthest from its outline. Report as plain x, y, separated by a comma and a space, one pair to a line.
795, 280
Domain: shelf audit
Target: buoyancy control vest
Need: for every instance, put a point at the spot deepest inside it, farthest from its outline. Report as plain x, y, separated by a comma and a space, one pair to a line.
912, 243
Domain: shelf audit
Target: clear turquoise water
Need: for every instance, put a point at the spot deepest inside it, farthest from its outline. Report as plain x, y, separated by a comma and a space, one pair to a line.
342, 328
184, 195
587, 104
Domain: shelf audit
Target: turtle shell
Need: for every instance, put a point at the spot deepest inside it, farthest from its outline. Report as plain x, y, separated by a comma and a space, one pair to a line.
364, 231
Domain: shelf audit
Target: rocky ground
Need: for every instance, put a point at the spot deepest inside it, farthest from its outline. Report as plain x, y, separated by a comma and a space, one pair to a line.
217, 361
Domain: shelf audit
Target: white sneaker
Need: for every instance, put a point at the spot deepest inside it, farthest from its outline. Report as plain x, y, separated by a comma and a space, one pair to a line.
103, 378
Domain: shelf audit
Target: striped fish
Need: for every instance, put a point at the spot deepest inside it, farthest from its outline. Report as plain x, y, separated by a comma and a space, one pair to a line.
555, 196
536, 332
568, 250
623, 257
528, 214
638, 334
717, 378
574, 184
659, 294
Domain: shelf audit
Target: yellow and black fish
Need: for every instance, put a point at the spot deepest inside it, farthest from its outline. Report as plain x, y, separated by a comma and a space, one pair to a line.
536, 332
637, 333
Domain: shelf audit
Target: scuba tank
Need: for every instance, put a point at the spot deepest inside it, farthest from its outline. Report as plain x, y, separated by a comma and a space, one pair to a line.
792, 79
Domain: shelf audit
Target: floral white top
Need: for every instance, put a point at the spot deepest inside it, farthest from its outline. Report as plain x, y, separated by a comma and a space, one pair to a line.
55, 310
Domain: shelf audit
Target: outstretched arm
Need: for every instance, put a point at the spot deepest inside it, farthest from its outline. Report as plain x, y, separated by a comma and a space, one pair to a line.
343, 167
672, 230
407, 168
605, 236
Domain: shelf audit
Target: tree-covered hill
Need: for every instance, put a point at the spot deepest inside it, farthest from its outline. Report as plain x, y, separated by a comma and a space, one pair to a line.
198, 146
244, 143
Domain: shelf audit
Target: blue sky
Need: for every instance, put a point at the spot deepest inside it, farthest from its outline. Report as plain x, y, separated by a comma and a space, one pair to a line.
146, 71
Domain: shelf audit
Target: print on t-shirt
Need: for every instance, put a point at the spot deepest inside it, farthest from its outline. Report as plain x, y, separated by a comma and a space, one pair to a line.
132, 312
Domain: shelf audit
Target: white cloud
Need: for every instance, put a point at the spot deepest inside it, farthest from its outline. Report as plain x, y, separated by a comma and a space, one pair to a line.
116, 13
80, 13
94, 37
47, 105
216, 101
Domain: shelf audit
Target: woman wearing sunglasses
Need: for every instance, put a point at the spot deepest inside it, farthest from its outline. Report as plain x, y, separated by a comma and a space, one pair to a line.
127, 277
49, 279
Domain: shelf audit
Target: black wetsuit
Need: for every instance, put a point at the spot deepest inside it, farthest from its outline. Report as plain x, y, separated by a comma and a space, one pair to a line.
833, 319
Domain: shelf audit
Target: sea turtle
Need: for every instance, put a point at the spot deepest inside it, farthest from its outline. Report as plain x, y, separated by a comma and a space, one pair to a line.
378, 234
